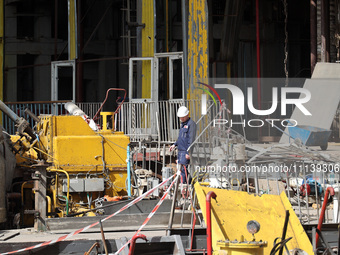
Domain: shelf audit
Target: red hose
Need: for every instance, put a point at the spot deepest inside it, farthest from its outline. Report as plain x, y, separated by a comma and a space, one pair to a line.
211, 194
329, 191
133, 242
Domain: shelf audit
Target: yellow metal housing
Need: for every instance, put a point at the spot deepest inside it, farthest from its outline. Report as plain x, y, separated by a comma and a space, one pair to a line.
232, 210
75, 151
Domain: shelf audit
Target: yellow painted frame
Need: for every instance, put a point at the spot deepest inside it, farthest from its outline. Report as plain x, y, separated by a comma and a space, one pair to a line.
148, 45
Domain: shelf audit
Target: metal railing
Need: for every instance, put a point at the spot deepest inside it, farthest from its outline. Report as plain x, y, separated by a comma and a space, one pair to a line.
40, 108
158, 120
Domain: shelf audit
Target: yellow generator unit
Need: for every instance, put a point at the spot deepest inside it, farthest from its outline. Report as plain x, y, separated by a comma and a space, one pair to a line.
86, 164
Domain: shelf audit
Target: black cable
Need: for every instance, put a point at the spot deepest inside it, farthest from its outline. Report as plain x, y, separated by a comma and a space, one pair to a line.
285, 226
279, 246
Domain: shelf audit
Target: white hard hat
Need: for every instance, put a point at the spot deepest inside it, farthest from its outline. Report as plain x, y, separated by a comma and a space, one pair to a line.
182, 112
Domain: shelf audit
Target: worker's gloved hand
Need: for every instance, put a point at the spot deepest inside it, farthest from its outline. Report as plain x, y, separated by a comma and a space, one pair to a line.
187, 156
172, 147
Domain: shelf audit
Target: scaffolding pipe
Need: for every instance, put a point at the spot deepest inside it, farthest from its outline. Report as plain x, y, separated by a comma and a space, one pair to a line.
329, 191
211, 194
103, 237
173, 205
128, 171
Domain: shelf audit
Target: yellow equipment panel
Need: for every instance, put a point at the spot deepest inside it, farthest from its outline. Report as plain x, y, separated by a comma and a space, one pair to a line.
75, 151
232, 210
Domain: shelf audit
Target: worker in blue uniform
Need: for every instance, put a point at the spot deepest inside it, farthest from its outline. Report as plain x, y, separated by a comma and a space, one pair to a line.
186, 137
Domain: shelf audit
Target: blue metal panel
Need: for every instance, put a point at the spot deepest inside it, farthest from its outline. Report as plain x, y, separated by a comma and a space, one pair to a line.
310, 136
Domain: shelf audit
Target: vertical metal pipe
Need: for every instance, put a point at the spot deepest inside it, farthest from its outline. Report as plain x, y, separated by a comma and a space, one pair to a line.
163, 163
211, 194
288, 193
313, 239
185, 46
72, 27
316, 194
150, 157
172, 213
256, 182
193, 221
305, 182
325, 39
258, 57
167, 43
128, 170
313, 35
298, 196
329, 191
55, 30
103, 237
79, 64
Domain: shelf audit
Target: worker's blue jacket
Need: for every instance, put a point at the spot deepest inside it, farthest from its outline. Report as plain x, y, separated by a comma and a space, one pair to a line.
186, 137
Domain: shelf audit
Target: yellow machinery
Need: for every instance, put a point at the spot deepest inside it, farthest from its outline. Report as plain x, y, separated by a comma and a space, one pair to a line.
87, 164
231, 213
71, 166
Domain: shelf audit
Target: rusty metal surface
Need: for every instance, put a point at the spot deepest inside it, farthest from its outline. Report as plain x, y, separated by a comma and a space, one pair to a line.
197, 46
